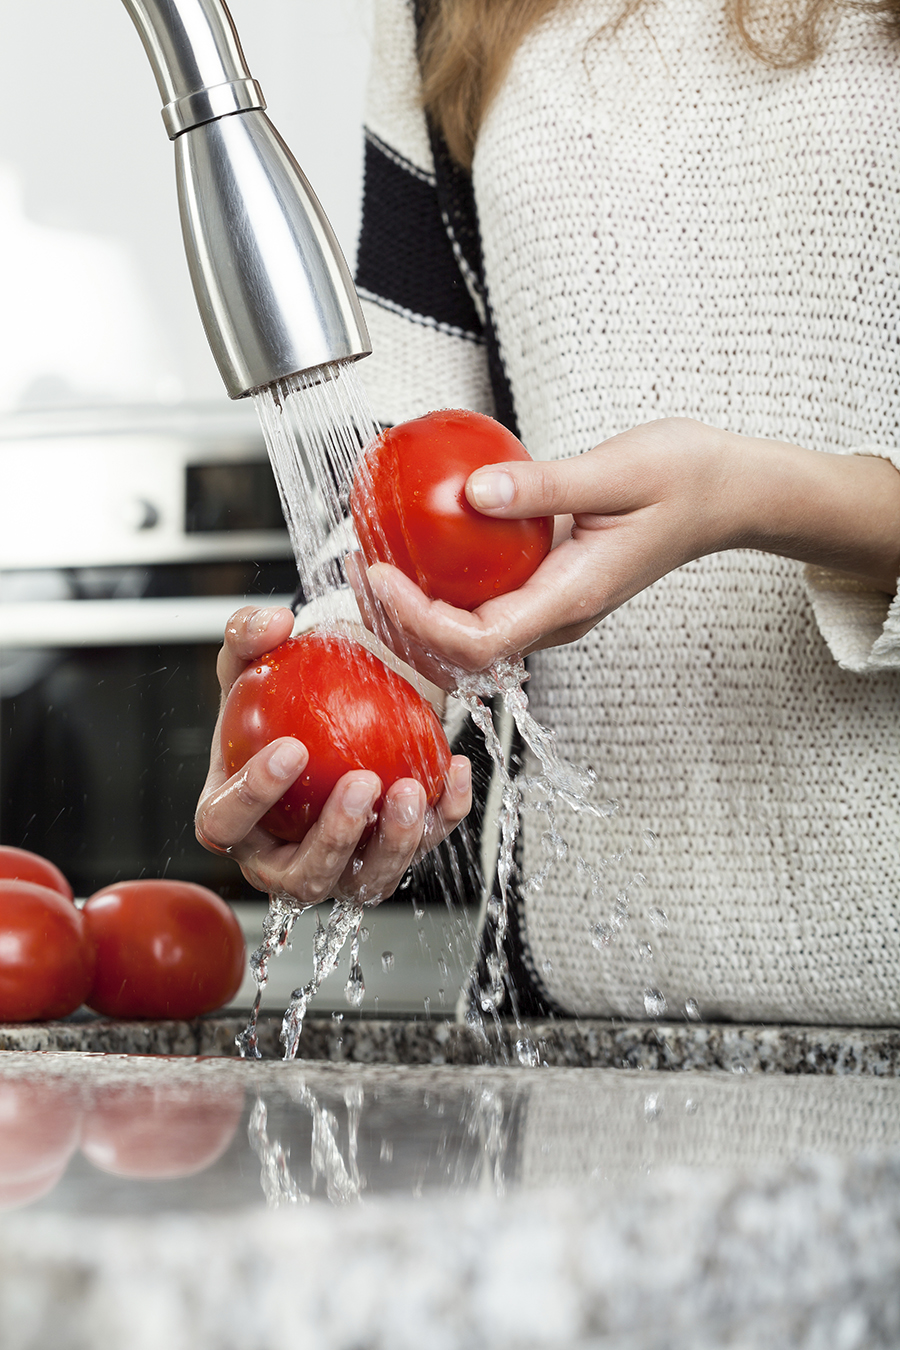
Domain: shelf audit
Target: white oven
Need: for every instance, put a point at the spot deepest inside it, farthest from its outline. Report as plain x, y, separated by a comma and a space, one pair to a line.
127, 538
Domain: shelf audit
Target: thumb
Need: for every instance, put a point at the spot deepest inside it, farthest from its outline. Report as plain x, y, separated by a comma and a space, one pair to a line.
526, 488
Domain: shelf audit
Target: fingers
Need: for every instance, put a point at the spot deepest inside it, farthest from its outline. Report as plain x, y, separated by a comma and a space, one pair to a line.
330, 860
442, 641
453, 807
407, 831
524, 488
228, 812
248, 634
622, 474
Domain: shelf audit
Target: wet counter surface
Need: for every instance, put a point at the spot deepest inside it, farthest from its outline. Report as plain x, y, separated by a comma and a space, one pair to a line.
168, 1200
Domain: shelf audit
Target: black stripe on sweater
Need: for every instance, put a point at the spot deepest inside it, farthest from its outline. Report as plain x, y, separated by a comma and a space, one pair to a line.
405, 256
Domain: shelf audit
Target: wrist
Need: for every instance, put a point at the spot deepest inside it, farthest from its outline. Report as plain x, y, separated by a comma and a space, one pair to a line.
835, 511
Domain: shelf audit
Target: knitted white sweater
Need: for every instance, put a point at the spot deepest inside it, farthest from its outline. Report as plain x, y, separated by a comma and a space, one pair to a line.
671, 228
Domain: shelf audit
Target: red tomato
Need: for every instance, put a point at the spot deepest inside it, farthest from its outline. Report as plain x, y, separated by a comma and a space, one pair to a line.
46, 959
348, 709
17, 864
160, 1132
40, 1126
410, 509
164, 949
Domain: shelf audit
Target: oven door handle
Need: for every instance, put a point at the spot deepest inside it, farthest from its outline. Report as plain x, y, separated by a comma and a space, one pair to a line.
122, 623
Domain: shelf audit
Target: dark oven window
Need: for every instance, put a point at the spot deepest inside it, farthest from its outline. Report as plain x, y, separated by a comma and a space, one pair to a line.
231, 496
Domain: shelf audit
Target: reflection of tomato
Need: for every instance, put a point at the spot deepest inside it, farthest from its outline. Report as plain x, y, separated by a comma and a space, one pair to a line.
40, 1125
46, 960
410, 509
164, 949
350, 712
17, 864
162, 1131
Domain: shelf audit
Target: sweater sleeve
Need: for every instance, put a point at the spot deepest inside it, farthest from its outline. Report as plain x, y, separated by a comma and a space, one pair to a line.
861, 625
421, 302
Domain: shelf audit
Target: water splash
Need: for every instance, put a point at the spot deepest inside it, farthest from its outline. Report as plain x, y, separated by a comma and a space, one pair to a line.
278, 1183
317, 425
345, 918
355, 988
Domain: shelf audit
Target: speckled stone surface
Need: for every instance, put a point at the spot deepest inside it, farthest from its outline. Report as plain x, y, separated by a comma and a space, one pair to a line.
572, 1043
378, 1207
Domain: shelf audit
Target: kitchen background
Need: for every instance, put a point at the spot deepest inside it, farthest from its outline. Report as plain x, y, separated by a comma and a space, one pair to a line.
137, 508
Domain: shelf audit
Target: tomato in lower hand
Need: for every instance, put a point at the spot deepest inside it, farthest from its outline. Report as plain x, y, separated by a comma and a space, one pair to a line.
164, 949
46, 958
348, 709
409, 506
18, 864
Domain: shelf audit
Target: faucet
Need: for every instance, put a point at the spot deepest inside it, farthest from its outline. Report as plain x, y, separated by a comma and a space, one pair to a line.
273, 288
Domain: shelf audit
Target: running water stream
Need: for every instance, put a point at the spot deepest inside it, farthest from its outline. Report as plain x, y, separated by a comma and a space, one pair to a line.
316, 426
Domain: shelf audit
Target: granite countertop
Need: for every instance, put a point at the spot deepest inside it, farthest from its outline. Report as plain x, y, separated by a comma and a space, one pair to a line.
564, 1042
181, 1197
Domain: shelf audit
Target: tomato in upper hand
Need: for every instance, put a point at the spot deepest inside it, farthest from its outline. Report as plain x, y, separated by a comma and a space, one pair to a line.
409, 506
17, 864
161, 1131
164, 949
348, 709
46, 959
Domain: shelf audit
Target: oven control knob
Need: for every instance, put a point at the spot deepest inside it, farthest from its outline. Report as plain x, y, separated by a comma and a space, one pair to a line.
141, 514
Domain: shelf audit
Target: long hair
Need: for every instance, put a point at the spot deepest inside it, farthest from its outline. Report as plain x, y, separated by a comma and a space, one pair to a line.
466, 47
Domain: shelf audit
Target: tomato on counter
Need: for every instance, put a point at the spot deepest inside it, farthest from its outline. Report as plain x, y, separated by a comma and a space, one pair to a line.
348, 709
18, 864
409, 506
160, 1132
46, 958
164, 949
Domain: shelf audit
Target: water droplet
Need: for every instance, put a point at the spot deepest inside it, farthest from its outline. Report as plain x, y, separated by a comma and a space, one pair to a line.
645, 951
650, 838
526, 1053
355, 988
387, 1151
387, 960
602, 935
363, 934
427, 1006
654, 1003
652, 1106
658, 919
547, 967
443, 967
418, 910
691, 1107
337, 1017
692, 1010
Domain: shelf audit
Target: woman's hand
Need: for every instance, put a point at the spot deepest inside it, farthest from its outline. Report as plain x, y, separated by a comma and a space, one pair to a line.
632, 509
327, 862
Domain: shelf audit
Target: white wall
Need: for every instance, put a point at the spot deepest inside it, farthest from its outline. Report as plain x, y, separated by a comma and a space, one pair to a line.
95, 301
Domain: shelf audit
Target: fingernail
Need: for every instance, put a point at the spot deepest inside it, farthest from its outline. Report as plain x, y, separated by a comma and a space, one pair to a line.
358, 798
287, 759
461, 778
490, 489
259, 622
406, 806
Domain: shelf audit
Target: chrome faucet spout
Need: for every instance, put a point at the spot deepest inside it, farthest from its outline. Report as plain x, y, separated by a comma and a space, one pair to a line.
273, 288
